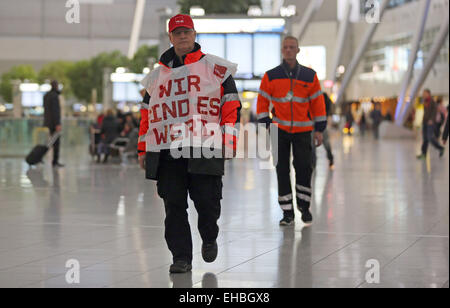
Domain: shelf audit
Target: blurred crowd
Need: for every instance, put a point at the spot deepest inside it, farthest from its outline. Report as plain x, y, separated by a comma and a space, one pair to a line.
114, 133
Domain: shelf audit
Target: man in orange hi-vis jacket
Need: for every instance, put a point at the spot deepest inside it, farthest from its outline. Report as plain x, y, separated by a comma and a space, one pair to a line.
187, 86
291, 98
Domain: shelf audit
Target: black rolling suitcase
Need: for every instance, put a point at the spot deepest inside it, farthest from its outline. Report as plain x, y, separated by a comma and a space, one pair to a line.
38, 152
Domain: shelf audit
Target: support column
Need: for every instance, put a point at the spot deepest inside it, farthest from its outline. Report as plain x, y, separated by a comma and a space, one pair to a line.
17, 99
424, 9
350, 71
431, 58
313, 7
136, 30
343, 29
107, 89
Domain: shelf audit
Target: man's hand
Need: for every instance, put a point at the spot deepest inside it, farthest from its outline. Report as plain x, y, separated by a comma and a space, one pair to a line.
318, 139
142, 161
58, 128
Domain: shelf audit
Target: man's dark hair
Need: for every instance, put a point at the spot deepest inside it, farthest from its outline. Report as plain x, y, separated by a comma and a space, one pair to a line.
428, 91
54, 84
291, 37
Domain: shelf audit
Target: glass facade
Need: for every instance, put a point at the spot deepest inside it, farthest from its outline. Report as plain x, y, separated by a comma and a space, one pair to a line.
390, 57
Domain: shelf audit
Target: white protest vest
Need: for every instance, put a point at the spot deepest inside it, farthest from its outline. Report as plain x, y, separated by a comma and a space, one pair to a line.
185, 102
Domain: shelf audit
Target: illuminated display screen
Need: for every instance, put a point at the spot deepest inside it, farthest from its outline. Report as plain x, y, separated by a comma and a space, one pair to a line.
239, 50
213, 44
126, 92
33, 99
266, 52
254, 53
314, 57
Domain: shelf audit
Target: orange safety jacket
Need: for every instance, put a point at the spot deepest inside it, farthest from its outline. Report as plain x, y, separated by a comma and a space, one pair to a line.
296, 97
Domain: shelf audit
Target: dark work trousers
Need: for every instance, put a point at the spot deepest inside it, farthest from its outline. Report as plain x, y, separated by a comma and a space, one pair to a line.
174, 184
301, 146
428, 132
55, 147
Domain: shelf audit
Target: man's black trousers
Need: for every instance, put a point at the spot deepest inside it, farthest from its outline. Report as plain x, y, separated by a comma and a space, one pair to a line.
301, 146
55, 147
174, 185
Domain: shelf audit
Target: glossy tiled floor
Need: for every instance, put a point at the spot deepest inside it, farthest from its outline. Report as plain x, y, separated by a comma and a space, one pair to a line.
379, 203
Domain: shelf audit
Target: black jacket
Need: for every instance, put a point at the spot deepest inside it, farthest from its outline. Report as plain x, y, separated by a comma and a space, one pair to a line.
110, 129
52, 110
211, 166
430, 110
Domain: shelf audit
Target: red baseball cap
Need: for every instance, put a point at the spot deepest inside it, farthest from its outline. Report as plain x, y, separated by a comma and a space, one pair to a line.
180, 20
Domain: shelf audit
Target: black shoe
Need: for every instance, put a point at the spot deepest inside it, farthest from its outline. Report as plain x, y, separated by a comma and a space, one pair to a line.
441, 153
421, 156
209, 251
57, 165
306, 215
180, 267
288, 218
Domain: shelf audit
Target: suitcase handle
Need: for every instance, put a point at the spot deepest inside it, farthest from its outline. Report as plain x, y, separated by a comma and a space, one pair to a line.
53, 139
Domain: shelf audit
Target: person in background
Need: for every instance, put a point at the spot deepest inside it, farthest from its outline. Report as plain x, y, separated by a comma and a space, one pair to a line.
326, 136
388, 117
127, 129
362, 123
441, 115
349, 119
130, 119
445, 133
109, 131
376, 117
299, 115
428, 125
52, 118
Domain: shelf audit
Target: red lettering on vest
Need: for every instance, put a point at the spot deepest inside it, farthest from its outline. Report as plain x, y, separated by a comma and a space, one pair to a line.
163, 91
172, 112
154, 113
160, 136
193, 80
201, 107
214, 103
180, 87
180, 107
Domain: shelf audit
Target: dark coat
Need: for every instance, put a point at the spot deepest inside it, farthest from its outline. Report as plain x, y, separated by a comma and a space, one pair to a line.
430, 110
376, 116
110, 129
52, 110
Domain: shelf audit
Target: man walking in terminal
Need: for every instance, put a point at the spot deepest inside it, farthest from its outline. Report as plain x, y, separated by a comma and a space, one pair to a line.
298, 108
188, 83
52, 118
428, 125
